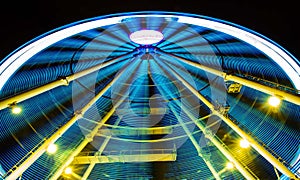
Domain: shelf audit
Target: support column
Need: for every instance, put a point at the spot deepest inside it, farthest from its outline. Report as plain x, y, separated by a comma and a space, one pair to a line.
196, 145
36, 154
213, 139
259, 148
84, 142
101, 149
94, 131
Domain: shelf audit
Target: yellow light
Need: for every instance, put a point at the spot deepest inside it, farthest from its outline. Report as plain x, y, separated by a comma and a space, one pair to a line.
274, 101
52, 148
229, 165
16, 109
68, 170
244, 143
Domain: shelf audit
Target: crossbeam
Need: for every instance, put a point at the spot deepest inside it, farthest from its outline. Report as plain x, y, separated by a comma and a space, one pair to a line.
152, 111
131, 131
129, 158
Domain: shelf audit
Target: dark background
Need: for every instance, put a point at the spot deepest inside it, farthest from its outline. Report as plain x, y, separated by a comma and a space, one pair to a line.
24, 20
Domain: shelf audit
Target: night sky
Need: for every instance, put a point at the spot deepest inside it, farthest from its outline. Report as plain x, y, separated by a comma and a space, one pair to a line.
22, 21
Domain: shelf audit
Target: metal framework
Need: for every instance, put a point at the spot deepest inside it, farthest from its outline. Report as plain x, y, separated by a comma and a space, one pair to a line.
196, 145
91, 135
156, 155
65, 81
101, 149
37, 153
212, 138
84, 142
229, 77
259, 148
135, 131
60, 82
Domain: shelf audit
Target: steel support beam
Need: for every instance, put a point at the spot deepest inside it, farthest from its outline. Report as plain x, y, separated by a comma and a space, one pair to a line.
258, 147
101, 149
37, 153
94, 131
88, 171
251, 84
152, 157
212, 138
84, 143
60, 82
196, 145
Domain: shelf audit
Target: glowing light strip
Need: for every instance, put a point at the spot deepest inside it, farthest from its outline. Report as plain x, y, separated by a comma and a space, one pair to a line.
276, 54
8, 68
292, 69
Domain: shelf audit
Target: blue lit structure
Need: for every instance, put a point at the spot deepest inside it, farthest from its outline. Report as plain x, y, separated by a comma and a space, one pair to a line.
150, 86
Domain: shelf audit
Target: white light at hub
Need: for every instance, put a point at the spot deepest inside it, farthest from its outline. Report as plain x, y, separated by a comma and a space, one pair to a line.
146, 37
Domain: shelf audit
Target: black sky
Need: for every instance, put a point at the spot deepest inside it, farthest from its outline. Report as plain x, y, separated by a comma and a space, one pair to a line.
25, 20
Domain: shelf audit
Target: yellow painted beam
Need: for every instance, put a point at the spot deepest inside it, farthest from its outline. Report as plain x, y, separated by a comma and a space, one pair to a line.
251, 84
125, 158
258, 147
196, 145
82, 145
60, 82
208, 135
95, 130
39, 151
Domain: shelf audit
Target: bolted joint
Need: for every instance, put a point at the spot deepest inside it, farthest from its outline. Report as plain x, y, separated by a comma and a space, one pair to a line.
78, 114
65, 80
89, 137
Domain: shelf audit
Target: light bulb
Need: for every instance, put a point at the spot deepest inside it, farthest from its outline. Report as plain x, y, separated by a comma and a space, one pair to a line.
229, 165
16, 109
52, 148
68, 170
274, 101
244, 143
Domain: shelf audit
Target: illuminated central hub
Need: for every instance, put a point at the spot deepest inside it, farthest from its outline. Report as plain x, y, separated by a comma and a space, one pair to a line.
146, 37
